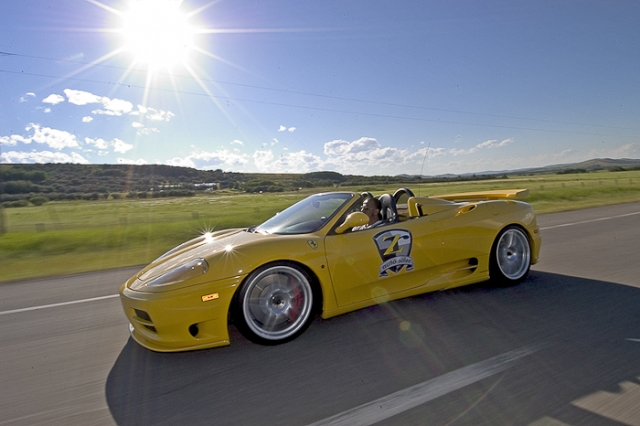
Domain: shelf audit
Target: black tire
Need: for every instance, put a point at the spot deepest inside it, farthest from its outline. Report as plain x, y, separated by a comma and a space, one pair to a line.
510, 259
275, 304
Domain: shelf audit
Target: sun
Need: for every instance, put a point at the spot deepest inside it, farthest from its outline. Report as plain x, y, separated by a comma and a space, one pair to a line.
157, 33
159, 36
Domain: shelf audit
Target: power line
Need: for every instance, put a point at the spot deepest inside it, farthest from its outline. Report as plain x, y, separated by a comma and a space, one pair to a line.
364, 101
370, 114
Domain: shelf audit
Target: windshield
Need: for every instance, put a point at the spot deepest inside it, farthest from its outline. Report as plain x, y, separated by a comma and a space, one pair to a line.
307, 215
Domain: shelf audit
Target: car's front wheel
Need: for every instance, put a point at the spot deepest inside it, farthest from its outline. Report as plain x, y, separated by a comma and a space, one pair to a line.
510, 256
275, 304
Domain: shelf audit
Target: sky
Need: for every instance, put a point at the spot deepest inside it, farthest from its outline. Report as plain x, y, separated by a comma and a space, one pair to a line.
371, 87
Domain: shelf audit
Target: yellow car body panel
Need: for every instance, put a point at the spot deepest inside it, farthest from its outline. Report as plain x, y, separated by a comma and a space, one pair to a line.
176, 312
436, 243
445, 245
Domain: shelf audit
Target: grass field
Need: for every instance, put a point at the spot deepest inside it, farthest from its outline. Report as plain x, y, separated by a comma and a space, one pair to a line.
61, 238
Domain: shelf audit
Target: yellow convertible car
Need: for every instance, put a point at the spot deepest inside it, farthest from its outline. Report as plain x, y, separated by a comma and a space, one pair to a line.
271, 280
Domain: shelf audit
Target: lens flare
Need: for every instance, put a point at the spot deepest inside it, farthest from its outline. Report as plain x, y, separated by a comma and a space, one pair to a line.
157, 33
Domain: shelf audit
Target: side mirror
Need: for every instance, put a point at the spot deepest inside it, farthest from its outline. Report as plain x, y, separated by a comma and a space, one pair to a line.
354, 219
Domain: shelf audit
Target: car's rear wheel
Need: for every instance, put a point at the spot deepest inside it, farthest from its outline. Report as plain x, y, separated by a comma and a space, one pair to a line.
275, 304
510, 256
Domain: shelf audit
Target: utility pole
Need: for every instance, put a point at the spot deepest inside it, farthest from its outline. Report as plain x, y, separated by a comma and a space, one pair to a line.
2, 227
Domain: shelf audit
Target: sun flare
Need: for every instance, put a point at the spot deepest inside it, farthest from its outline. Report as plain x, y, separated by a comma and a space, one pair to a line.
157, 33
159, 36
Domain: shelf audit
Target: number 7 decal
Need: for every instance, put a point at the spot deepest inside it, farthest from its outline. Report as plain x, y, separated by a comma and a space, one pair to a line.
394, 247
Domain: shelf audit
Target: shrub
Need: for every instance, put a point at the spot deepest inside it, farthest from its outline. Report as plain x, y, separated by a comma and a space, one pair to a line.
19, 203
38, 200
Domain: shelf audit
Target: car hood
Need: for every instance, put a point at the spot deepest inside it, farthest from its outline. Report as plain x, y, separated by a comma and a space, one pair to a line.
214, 247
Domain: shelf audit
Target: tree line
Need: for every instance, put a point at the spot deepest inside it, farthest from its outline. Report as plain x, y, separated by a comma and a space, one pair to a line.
35, 184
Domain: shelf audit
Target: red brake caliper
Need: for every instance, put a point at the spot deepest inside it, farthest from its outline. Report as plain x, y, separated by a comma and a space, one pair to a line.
296, 302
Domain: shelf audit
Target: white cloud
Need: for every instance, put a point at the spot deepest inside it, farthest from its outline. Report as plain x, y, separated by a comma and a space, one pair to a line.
13, 140
425, 153
153, 114
362, 156
79, 97
631, 150
116, 107
181, 162
98, 143
53, 99
300, 162
487, 144
210, 160
204, 159
263, 160
363, 145
42, 157
138, 162
26, 96
495, 144
121, 146
456, 152
57, 139
101, 144
147, 131
337, 147
158, 115
342, 147
286, 129
366, 156
295, 162
237, 142
142, 130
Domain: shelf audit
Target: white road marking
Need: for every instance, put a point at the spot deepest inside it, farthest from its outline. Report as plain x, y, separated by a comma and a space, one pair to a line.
590, 221
55, 305
411, 397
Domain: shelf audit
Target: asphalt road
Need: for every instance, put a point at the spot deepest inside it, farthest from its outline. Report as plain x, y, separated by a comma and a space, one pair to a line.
562, 348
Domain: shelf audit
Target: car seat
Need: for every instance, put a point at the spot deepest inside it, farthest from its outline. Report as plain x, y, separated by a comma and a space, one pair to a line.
388, 209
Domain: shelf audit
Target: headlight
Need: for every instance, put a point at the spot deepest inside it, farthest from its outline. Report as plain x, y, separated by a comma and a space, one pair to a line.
187, 271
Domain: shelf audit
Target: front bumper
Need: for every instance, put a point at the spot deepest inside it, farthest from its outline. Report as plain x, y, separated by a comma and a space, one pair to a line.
188, 318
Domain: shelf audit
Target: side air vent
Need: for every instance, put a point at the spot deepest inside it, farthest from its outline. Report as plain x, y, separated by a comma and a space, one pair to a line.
144, 320
466, 209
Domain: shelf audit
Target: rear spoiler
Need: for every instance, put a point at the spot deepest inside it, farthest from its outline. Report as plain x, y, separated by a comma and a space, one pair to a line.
485, 195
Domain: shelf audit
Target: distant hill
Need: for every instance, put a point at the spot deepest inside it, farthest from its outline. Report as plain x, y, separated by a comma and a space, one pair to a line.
24, 184
585, 166
589, 165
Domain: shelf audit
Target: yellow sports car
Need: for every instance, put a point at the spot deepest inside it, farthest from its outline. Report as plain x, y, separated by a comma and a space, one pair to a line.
271, 280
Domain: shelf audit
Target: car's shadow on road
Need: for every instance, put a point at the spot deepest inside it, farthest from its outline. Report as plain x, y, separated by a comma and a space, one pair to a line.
589, 329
